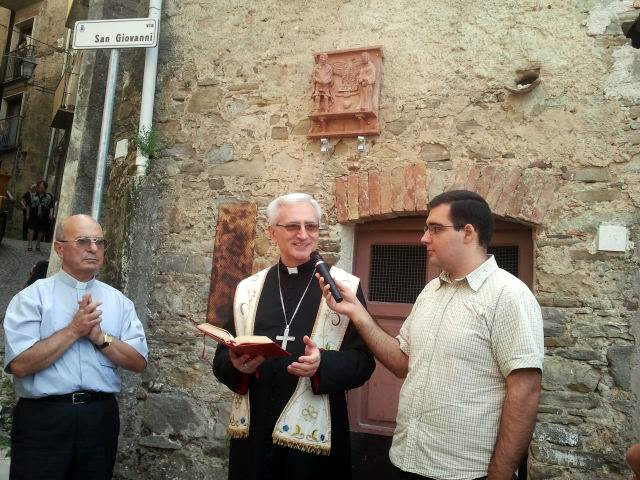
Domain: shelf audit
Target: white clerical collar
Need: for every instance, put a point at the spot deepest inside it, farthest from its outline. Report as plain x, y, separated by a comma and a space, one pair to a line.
302, 269
73, 282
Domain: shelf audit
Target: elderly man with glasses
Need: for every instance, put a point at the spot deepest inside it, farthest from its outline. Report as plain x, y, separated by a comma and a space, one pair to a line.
65, 337
289, 414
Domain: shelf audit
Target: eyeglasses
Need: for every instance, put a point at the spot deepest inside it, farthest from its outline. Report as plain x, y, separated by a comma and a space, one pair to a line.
310, 227
436, 228
85, 242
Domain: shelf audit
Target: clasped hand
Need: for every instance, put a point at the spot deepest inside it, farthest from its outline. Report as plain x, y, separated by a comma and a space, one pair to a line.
86, 321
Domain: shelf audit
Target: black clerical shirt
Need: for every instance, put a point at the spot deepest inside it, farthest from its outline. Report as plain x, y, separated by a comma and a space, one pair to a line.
272, 387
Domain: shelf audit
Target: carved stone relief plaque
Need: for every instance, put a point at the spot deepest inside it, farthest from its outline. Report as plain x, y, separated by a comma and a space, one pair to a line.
346, 92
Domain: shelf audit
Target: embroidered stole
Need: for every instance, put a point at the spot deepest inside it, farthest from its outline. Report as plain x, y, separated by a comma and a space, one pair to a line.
305, 422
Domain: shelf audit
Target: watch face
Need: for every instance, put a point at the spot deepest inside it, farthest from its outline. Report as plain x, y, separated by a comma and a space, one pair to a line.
108, 338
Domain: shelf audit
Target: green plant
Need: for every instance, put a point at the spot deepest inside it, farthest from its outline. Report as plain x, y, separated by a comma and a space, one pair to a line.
148, 142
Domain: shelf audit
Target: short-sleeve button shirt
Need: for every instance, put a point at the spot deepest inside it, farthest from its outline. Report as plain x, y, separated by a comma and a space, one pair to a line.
463, 338
47, 306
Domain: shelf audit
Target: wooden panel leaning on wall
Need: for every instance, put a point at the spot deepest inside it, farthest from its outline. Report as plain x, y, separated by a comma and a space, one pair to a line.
232, 257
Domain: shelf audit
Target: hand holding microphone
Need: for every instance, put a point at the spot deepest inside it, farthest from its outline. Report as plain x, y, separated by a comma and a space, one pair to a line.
323, 270
344, 300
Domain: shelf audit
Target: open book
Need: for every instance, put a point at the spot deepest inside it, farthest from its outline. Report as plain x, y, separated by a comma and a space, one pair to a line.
248, 344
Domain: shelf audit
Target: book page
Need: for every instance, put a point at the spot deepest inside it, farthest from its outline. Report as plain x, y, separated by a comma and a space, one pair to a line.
214, 331
245, 344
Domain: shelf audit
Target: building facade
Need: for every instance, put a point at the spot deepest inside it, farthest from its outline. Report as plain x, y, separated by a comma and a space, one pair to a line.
533, 104
39, 76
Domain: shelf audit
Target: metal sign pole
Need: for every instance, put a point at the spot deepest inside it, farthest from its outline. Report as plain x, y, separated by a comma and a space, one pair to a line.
105, 133
113, 34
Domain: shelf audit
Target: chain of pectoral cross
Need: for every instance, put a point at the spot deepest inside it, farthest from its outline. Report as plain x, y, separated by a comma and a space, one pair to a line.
285, 335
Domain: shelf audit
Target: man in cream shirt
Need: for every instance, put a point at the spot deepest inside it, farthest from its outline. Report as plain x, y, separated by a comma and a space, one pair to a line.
471, 352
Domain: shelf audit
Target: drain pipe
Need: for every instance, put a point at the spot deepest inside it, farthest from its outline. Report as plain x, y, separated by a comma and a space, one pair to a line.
54, 131
49, 152
105, 133
148, 88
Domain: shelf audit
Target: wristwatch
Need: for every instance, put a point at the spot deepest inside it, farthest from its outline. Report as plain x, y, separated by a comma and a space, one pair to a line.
108, 338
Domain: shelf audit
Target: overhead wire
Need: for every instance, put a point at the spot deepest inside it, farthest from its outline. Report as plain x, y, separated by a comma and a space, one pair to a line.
42, 88
59, 49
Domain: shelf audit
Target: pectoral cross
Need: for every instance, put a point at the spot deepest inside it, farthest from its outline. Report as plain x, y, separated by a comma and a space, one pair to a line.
285, 337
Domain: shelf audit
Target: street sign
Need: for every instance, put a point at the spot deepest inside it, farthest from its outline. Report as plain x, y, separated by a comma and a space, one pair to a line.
118, 33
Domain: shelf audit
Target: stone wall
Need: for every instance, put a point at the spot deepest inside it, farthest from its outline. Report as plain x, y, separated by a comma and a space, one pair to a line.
231, 107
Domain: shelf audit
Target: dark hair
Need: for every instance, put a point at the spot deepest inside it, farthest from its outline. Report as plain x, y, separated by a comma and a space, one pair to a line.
468, 208
38, 271
43, 182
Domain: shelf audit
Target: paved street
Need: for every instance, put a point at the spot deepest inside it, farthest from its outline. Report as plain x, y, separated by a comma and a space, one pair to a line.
15, 265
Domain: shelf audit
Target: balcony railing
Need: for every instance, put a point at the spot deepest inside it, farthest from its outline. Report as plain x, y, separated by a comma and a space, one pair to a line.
9, 132
20, 63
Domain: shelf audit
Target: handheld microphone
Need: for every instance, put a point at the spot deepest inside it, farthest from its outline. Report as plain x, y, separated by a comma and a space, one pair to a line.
323, 269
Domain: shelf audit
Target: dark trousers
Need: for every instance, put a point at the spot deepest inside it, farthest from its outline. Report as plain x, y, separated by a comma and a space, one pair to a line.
63, 441
402, 475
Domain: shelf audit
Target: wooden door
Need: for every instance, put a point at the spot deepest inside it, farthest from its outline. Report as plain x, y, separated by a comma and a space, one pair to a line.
392, 266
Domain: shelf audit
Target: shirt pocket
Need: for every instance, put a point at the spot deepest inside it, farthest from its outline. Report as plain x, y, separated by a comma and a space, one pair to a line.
105, 361
110, 321
54, 319
102, 358
108, 325
102, 365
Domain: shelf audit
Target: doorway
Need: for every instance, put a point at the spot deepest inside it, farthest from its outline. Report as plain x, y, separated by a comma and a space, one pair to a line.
392, 266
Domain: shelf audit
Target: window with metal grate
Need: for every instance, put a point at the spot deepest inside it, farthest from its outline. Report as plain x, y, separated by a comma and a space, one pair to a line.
397, 273
506, 258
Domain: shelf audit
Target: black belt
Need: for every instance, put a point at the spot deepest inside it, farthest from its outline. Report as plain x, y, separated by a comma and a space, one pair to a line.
75, 397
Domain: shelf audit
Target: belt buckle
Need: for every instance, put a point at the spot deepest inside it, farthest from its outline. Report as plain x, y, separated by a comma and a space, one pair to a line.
78, 397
